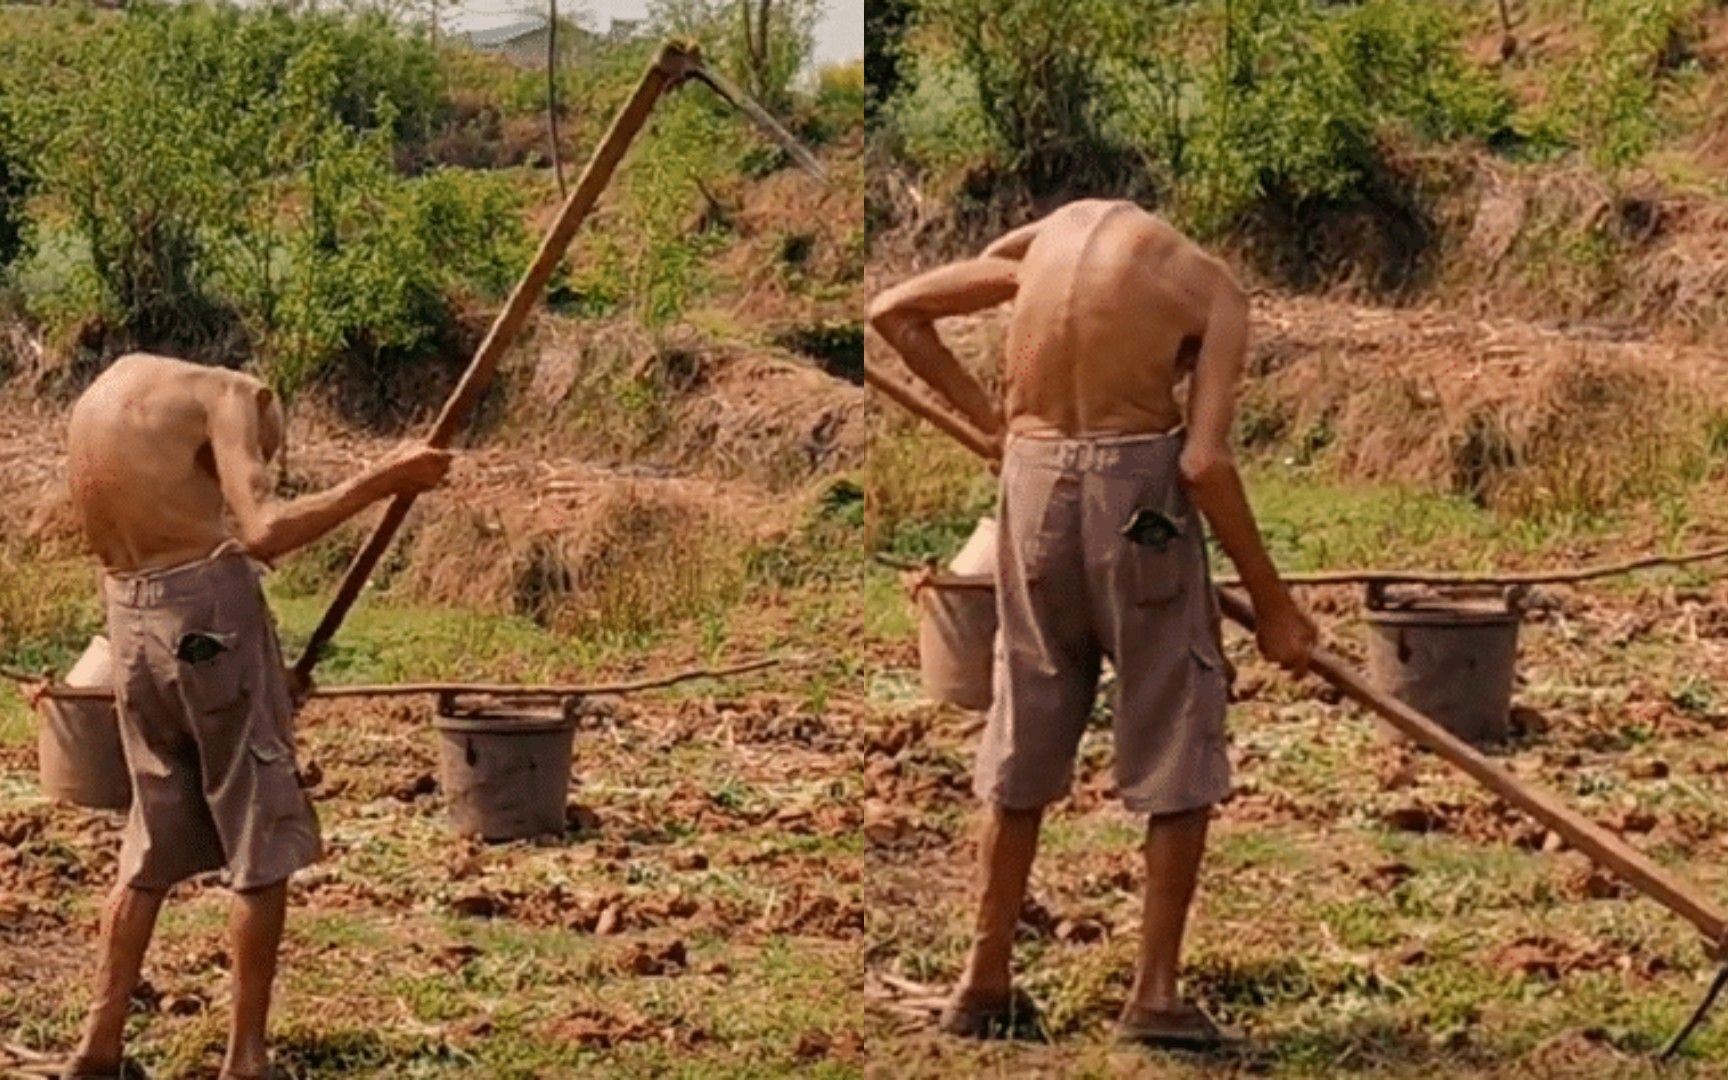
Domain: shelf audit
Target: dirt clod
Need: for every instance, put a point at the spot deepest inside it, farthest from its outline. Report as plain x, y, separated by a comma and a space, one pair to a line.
1387, 876
581, 819
608, 922
1525, 722
1594, 883
423, 784
181, 1004
477, 905
1415, 818
1634, 821
647, 960
1080, 931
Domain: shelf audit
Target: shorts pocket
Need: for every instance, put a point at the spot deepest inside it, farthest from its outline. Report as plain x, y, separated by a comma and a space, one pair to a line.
1209, 692
1158, 573
212, 672
278, 786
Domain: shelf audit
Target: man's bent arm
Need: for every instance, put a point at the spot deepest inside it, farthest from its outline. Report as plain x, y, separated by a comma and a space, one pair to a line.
1207, 464
1015, 243
906, 315
269, 528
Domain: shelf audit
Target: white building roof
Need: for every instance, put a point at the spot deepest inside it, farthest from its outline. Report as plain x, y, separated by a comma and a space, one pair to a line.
490, 30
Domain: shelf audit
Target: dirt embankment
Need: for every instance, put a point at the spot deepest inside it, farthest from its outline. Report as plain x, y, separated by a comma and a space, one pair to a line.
606, 452
1562, 344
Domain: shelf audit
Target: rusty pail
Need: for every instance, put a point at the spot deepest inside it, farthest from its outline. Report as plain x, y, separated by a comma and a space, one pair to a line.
957, 623
78, 752
506, 769
1451, 657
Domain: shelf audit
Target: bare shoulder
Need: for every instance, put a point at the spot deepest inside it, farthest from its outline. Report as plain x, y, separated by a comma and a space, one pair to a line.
172, 393
1204, 276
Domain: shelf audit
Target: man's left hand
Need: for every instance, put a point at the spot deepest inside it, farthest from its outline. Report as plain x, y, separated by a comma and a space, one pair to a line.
299, 687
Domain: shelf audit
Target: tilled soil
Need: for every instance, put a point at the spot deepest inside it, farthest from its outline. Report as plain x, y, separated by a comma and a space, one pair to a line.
709, 840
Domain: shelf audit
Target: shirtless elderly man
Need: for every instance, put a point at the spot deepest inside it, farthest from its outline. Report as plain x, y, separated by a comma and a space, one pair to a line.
169, 465
1101, 555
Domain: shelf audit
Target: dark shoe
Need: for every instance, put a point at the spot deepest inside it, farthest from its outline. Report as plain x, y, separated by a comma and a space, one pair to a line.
988, 1016
1183, 1028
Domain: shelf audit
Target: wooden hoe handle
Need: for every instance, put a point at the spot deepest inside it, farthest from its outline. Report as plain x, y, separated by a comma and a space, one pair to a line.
674, 63
1598, 844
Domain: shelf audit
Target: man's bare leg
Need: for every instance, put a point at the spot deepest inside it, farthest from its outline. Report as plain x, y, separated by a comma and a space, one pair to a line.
1174, 845
1005, 851
255, 927
128, 921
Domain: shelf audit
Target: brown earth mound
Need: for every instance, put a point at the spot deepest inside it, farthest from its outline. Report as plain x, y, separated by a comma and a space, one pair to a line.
1514, 415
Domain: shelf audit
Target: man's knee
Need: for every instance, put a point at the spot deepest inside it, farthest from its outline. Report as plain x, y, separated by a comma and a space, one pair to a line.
132, 894
262, 893
1193, 816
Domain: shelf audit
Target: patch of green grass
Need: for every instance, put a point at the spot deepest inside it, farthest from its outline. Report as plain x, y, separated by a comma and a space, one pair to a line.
385, 642
1311, 522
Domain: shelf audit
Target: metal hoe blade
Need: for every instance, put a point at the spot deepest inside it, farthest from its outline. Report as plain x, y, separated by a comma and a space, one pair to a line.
763, 118
1698, 1014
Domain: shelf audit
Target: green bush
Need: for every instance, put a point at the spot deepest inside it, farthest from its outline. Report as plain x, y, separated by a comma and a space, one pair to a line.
15, 184
885, 24
651, 259
1299, 101
1607, 101
839, 103
217, 176
1039, 69
1219, 106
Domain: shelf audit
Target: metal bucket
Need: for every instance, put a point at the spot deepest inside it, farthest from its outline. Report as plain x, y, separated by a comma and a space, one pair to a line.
1451, 658
78, 753
957, 624
506, 772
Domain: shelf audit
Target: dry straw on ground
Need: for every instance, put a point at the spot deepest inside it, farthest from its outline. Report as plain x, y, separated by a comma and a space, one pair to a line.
1517, 417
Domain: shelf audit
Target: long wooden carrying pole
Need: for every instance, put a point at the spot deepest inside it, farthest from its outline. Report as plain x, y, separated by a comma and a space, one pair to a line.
674, 63
896, 390
1596, 843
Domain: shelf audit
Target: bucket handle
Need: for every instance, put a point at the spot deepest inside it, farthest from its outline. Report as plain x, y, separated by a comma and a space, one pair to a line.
1516, 596
450, 704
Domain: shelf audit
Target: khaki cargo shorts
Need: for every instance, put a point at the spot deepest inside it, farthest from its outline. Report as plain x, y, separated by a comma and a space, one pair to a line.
1073, 588
205, 720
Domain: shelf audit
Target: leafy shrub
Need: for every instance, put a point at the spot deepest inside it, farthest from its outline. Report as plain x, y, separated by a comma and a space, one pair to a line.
1608, 100
885, 24
839, 104
223, 170
15, 184
649, 260
1220, 106
1038, 70
1296, 104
